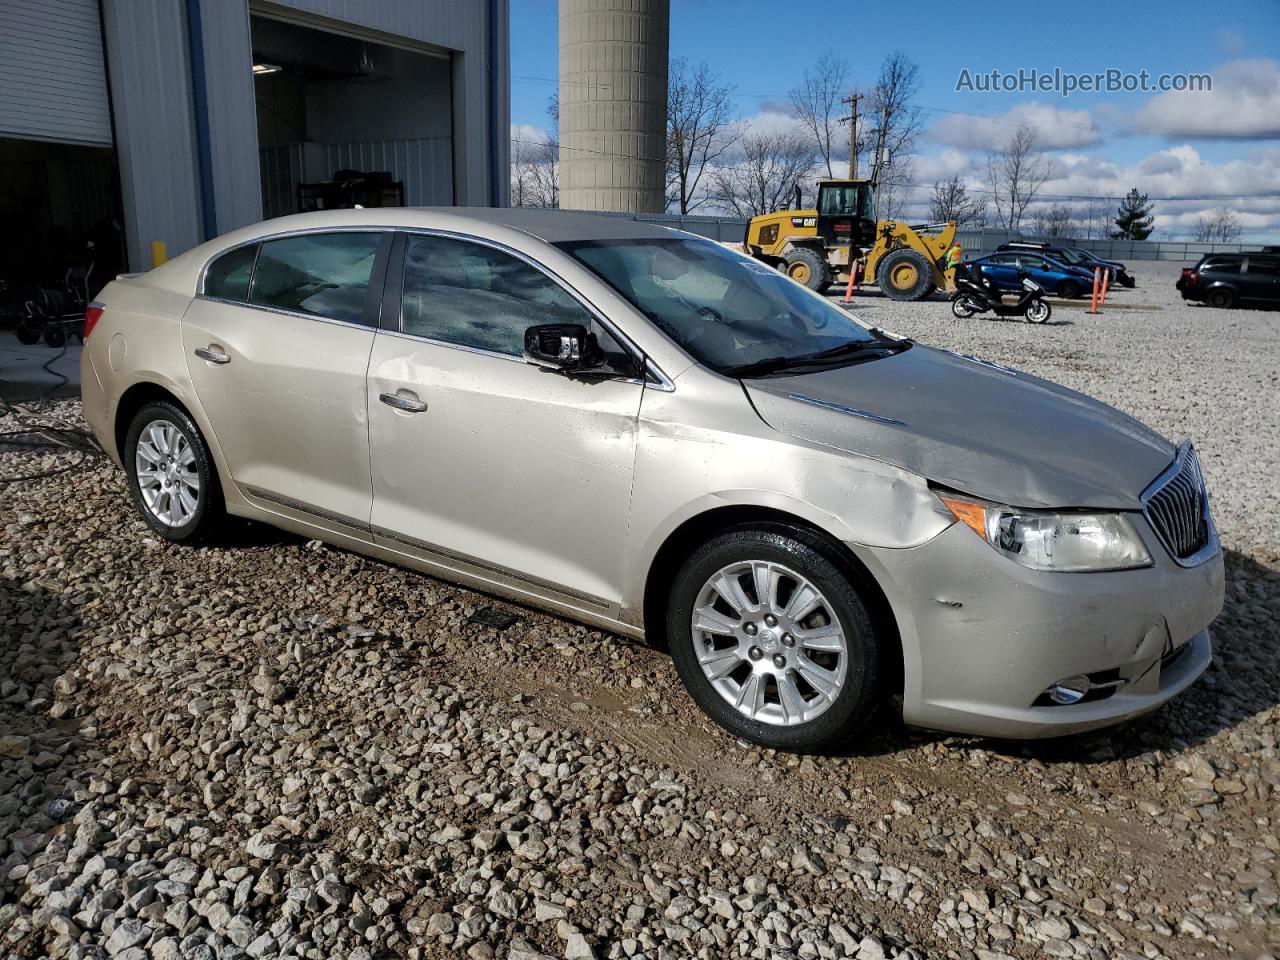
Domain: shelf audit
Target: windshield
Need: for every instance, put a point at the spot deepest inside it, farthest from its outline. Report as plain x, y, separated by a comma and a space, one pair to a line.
728, 311
850, 201
1071, 256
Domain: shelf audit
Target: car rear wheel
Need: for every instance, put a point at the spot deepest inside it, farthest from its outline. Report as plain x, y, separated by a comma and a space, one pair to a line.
1220, 298
773, 640
172, 477
1068, 290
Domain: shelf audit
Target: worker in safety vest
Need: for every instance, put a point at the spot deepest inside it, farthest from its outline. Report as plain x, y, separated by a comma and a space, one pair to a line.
954, 256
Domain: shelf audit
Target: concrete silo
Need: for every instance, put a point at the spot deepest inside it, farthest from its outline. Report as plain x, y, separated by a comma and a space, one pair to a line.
613, 104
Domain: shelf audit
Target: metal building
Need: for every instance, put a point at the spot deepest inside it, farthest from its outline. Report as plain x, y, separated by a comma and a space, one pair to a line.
165, 122
613, 104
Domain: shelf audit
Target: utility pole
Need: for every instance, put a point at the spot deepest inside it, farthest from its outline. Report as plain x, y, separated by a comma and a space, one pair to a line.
852, 119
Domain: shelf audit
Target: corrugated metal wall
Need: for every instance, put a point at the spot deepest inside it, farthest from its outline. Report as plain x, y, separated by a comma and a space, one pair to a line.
151, 78
151, 96
425, 166
52, 82
233, 120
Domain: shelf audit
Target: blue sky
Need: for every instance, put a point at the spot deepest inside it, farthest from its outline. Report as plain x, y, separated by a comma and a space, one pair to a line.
1220, 143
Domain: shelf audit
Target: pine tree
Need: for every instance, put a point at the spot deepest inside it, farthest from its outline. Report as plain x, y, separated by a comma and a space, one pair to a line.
1133, 217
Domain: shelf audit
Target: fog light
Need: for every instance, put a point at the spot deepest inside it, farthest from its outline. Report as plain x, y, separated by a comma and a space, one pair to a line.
1069, 690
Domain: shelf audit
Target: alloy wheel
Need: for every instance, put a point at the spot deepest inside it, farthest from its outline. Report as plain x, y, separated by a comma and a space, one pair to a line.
165, 463
769, 643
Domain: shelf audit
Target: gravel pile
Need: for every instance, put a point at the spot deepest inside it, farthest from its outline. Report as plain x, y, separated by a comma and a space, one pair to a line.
270, 748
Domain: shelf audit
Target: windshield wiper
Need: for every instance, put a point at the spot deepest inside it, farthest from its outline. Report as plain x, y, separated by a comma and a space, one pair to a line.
768, 365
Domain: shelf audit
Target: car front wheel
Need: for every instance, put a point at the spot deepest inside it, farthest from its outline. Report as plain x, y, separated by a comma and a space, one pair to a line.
773, 640
172, 477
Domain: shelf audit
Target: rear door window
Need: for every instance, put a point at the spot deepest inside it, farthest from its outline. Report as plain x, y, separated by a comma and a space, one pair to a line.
227, 278
1264, 266
321, 274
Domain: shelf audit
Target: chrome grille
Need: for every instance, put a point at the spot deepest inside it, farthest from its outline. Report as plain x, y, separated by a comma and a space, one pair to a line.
1176, 506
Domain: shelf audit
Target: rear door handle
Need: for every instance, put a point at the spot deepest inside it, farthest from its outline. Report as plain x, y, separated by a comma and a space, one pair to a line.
403, 403
213, 356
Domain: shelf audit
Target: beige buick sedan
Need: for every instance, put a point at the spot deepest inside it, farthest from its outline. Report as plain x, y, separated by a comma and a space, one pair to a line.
650, 433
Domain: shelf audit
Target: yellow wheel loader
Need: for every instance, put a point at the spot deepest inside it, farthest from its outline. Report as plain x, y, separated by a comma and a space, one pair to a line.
818, 247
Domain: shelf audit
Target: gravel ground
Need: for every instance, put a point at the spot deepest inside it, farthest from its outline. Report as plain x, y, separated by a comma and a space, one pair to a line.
276, 749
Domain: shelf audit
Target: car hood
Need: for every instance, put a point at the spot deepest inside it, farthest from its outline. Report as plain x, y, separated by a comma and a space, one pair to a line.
974, 426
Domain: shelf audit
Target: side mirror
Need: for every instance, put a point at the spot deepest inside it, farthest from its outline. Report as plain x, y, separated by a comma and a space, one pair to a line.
562, 346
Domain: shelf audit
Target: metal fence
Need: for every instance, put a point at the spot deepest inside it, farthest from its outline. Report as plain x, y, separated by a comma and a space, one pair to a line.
979, 242
976, 243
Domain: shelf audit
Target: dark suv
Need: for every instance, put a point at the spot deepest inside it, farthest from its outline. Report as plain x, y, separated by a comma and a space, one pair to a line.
1228, 279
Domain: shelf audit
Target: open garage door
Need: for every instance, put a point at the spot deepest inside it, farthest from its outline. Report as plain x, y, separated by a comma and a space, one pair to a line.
344, 120
51, 72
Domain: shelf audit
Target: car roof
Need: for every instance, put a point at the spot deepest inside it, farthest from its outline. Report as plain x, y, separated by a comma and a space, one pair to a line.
559, 226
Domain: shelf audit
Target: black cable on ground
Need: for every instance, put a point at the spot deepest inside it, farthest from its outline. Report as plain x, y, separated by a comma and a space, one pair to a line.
54, 433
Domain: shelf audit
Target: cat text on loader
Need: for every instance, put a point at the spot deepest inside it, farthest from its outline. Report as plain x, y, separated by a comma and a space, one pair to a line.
817, 247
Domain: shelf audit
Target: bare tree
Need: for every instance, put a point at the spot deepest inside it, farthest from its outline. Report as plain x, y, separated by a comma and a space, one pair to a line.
1016, 173
699, 130
765, 177
535, 165
895, 189
535, 174
1221, 226
1054, 221
898, 122
816, 104
951, 201
1095, 220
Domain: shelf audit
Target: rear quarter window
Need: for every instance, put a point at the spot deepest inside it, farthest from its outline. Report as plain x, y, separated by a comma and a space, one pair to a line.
1221, 266
228, 276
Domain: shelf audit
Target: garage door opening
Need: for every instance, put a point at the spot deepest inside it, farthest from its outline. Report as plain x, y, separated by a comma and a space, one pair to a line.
64, 240
343, 121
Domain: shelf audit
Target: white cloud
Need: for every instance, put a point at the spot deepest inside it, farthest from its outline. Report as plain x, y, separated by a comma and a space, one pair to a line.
528, 133
1248, 184
1243, 104
1055, 128
772, 118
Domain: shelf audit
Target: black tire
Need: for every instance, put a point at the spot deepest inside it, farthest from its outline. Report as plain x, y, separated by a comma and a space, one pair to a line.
962, 308
208, 518
811, 557
1068, 290
1128, 282
1038, 311
1221, 297
55, 335
910, 271
28, 333
816, 272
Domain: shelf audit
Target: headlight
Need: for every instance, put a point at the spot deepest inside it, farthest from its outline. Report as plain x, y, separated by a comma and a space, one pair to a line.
1042, 540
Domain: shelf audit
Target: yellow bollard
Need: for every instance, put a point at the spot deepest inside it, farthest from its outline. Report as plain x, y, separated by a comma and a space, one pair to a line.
159, 252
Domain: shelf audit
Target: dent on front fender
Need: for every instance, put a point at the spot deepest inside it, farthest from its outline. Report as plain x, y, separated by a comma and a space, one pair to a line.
683, 471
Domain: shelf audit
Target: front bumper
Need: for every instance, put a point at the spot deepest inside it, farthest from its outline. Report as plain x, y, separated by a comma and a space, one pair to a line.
984, 637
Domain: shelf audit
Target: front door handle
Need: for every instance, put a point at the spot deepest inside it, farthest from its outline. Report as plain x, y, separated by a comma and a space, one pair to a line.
213, 356
403, 403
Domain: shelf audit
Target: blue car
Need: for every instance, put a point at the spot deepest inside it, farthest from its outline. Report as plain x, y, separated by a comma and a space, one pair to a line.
1072, 257
1006, 270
